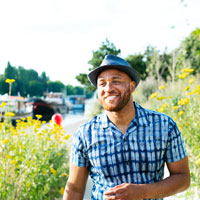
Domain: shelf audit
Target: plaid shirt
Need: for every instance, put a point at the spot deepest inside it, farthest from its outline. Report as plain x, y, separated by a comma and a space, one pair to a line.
136, 157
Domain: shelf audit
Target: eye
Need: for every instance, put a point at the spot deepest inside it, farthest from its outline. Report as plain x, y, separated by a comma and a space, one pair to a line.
116, 81
101, 84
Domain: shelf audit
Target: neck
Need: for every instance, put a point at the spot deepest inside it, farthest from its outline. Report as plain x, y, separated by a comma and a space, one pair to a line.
123, 118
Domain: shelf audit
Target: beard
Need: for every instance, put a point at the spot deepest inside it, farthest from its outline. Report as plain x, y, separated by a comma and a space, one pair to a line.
121, 102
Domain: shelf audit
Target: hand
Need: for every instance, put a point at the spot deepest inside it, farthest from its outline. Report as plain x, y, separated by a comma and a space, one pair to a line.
125, 191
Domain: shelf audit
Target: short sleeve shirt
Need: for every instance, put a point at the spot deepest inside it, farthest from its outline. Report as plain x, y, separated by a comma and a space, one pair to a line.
138, 156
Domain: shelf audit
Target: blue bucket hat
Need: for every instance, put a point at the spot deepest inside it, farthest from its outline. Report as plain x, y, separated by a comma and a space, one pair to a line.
114, 62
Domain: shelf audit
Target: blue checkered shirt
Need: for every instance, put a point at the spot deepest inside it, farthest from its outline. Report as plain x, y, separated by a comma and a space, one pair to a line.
136, 157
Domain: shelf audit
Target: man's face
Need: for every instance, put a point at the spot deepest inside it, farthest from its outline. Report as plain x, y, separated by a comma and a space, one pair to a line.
114, 89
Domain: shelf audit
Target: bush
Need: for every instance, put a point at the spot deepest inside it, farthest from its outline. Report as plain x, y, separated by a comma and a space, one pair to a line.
181, 100
33, 160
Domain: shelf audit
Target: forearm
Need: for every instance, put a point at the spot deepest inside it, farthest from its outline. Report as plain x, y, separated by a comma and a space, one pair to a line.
72, 193
167, 187
171, 185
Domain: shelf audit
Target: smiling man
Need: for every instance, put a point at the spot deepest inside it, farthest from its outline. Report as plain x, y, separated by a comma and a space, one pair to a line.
125, 148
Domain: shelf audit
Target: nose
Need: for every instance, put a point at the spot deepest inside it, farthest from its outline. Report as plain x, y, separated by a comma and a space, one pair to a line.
108, 86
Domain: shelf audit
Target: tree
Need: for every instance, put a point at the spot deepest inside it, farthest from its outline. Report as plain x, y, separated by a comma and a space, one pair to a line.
44, 79
4, 87
191, 51
106, 48
35, 88
10, 72
157, 63
137, 61
55, 86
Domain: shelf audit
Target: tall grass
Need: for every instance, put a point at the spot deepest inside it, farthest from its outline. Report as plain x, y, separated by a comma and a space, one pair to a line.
33, 160
180, 100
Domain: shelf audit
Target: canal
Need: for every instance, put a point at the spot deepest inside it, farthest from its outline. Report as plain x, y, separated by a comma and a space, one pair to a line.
71, 122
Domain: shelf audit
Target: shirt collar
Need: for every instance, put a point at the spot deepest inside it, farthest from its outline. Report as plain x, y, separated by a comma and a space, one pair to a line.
105, 120
141, 118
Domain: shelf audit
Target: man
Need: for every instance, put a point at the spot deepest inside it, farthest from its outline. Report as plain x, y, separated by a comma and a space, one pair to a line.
125, 148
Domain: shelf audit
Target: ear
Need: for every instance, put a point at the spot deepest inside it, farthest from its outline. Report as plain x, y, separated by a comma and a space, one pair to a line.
132, 86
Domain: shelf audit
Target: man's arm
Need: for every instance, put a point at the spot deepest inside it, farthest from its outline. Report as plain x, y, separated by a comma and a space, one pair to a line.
76, 184
178, 181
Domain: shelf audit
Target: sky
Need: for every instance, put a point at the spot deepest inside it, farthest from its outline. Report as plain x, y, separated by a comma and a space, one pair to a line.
59, 36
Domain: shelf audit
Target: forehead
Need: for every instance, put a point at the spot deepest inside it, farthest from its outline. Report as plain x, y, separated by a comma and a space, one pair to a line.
112, 73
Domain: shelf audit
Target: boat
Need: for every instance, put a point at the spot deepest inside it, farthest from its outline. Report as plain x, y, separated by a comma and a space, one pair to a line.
17, 106
50, 104
77, 101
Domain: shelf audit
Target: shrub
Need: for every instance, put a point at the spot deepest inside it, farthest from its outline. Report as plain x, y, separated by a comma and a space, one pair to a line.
33, 160
181, 100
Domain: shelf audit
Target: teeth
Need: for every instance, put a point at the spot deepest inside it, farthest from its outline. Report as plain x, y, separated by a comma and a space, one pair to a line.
111, 98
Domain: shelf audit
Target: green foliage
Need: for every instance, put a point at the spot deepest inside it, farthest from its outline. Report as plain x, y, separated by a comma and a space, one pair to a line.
55, 86
145, 89
191, 50
28, 82
36, 88
33, 160
106, 48
180, 100
82, 78
137, 62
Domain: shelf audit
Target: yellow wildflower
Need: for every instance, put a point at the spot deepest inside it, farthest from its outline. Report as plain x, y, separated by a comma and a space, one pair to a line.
66, 137
10, 80
175, 107
197, 90
187, 70
165, 105
38, 116
183, 76
44, 172
64, 174
13, 162
161, 98
153, 95
184, 101
8, 156
187, 88
191, 80
53, 171
161, 109
3, 104
162, 87
5, 141
198, 162
62, 190
9, 114
59, 154
180, 113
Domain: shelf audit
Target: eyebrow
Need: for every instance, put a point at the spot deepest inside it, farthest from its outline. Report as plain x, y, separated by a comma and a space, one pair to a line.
113, 77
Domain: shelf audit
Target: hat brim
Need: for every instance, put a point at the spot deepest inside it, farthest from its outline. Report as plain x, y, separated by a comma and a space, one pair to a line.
134, 75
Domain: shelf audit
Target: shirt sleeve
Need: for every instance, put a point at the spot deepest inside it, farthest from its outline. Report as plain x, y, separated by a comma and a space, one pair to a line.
78, 153
175, 147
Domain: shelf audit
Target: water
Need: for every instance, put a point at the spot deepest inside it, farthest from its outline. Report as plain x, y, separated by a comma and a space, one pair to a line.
76, 117
73, 117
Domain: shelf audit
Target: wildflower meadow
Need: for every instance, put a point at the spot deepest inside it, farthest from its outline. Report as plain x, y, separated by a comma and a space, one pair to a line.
181, 101
33, 159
